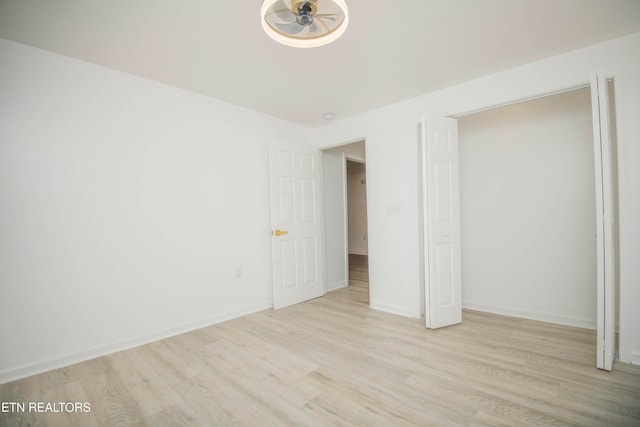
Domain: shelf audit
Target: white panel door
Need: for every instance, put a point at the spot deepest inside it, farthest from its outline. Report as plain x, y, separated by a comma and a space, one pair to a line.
441, 199
296, 224
604, 223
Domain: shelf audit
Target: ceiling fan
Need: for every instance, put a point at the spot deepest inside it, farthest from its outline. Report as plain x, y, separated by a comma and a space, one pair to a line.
304, 23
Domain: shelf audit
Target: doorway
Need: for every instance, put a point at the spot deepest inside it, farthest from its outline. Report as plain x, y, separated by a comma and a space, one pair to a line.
528, 217
357, 229
346, 225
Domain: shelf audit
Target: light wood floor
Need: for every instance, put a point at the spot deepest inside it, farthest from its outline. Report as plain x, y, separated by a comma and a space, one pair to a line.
334, 362
358, 279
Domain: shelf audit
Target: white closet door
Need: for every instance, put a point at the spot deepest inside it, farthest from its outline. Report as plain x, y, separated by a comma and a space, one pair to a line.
604, 223
441, 207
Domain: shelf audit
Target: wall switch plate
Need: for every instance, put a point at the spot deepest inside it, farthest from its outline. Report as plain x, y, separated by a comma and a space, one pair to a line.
393, 209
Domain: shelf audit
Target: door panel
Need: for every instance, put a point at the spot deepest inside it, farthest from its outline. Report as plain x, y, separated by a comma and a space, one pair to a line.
288, 262
286, 186
444, 263
310, 256
308, 200
442, 187
296, 224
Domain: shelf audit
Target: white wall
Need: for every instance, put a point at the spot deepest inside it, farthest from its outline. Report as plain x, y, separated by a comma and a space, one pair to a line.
357, 208
125, 207
527, 210
392, 168
354, 150
391, 200
118, 223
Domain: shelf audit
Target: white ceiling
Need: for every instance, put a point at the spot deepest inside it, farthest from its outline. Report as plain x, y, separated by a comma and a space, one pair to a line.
392, 50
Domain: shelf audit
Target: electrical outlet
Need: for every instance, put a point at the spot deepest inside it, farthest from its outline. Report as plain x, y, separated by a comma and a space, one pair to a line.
239, 272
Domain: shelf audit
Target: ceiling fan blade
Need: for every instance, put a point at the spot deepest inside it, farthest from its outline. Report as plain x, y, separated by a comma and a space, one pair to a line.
323, 18
292, 28
324, 24
283, 12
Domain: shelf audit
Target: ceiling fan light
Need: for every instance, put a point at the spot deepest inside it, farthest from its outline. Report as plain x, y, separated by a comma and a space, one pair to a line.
327, 22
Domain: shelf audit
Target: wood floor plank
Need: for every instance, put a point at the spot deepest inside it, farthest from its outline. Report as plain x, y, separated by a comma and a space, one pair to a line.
333, 361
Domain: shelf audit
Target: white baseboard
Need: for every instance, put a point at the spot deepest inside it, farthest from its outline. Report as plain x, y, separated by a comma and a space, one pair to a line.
635, 358
337, 285
577, 322
60, 362
401, 311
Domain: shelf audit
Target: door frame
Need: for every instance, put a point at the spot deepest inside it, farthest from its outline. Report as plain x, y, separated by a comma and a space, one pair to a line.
345, 245
625, 308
